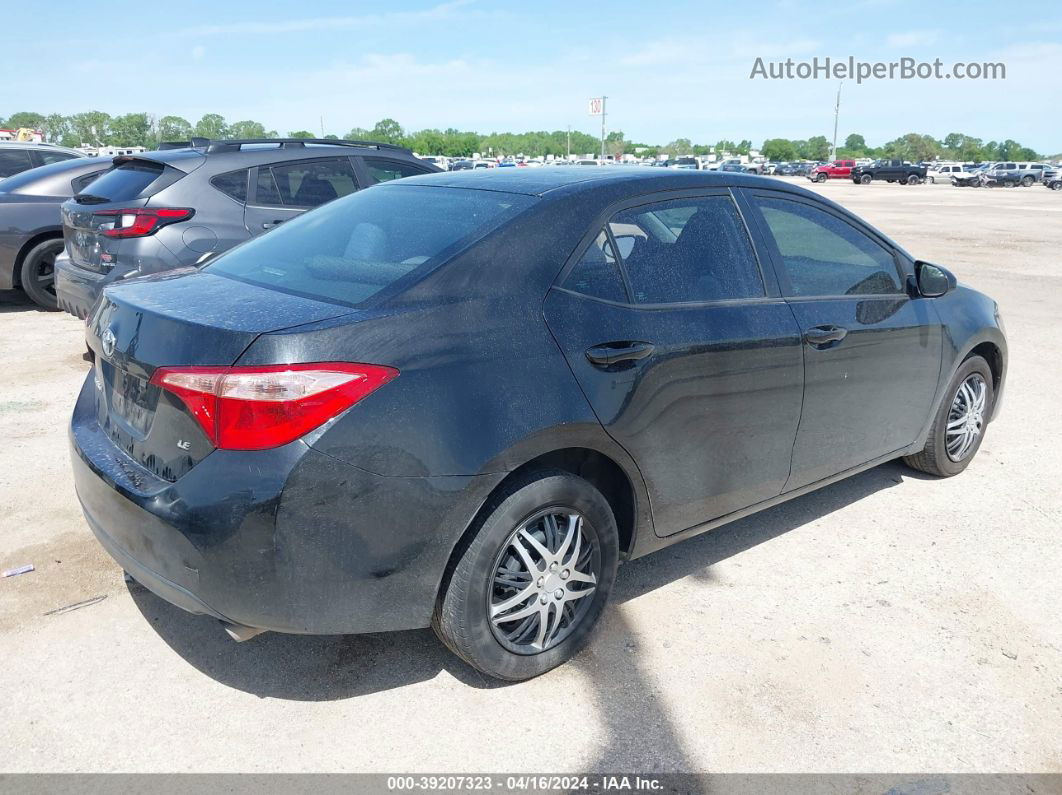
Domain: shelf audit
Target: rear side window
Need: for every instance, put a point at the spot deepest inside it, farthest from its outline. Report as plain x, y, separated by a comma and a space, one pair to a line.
687, 250
232, 184
127, 181
14, 161
597, 274
825, 256
305, 183
48, 157
80, 183
351, 249
381, 170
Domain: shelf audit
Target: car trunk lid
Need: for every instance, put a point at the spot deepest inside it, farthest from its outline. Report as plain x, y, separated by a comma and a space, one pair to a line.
181, 318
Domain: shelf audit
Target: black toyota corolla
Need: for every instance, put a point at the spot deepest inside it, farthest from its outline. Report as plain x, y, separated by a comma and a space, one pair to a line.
462, 399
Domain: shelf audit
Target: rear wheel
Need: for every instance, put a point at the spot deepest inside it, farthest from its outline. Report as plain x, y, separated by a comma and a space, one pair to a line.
38, 273
1027, 181
525, 592
960, 422
912, 179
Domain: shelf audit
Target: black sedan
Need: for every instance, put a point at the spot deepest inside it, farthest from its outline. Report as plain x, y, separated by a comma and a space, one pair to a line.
462, 399
31, 226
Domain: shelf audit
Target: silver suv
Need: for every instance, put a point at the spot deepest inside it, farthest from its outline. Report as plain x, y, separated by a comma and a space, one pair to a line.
157, 211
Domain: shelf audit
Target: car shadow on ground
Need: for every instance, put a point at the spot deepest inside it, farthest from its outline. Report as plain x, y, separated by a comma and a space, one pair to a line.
324, 668
18, 301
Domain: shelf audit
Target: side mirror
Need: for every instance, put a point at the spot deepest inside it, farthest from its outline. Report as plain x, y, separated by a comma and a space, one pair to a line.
932, 280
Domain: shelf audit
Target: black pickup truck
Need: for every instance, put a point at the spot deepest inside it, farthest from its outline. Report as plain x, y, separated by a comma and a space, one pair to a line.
890, 171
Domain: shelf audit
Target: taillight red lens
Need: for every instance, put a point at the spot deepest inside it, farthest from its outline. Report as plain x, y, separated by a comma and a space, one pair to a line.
255, 408
142, 221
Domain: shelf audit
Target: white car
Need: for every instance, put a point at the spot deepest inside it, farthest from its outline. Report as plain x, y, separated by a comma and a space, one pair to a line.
943, 173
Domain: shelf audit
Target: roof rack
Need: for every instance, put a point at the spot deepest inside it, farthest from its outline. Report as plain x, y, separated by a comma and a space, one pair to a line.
234, 145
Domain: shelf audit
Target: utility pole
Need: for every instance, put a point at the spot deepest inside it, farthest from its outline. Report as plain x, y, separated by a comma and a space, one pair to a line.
836, 115
603, 98
322, 126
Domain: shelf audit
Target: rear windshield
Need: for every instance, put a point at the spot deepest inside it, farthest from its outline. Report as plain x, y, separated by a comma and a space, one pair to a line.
125, 182
350, 249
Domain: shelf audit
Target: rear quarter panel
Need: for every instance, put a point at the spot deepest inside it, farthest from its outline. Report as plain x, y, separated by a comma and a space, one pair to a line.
20, 222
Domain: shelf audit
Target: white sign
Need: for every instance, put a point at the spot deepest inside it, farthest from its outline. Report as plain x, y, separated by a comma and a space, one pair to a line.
597, 104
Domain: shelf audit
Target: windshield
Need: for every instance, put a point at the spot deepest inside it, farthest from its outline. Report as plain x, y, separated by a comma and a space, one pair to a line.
348, 250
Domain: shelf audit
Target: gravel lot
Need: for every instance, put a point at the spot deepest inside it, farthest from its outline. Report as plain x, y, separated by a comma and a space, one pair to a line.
888, 623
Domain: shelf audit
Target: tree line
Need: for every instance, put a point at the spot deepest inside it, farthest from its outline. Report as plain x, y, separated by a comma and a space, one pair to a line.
97, 128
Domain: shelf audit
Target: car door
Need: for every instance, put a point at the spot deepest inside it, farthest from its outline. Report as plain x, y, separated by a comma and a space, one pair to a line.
872, 353
689, 357
281, 191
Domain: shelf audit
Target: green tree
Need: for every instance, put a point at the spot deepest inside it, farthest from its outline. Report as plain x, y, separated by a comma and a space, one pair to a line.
90, 127
174, 128
779, 149
387, 131
614, 143
132, 129
35, 121
680, 146
301, 134
56, 127
249, 129
212, 125
855, 143
818, 148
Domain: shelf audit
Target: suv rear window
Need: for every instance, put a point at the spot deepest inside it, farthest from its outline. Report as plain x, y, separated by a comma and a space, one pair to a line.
350, 249
126, 181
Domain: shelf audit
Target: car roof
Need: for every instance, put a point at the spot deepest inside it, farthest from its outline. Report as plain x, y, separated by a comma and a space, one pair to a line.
41, 145
540, 182
251, 154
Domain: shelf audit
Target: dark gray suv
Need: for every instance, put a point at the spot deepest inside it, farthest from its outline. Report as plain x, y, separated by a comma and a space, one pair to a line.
157, 211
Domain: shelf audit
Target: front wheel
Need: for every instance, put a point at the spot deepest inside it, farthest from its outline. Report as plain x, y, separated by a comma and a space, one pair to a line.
960, 422
820, 178
526, 590
1056, 186
38, 273
866, 179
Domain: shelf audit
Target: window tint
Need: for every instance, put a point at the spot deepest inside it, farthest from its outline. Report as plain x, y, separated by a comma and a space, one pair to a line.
687, 250
82, 182
13, 161
127, 181
596, 273
48, 157
233, 184
381, 170
823, 255
351, 249
305, 183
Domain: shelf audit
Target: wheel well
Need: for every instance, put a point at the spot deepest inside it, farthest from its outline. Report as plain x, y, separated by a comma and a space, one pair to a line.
991, 354
51, 234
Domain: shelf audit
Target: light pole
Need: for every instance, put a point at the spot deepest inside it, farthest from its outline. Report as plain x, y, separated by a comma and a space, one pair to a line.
836, 115
603, 98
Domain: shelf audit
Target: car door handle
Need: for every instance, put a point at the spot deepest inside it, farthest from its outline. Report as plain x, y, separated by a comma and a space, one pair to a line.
615, 352
271, 224
820, 336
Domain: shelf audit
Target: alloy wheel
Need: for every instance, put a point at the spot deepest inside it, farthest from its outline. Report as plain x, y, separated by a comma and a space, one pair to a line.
543, 581
966, 418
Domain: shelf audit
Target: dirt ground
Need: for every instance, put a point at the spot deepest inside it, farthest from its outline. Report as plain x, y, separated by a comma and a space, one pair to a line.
888, 623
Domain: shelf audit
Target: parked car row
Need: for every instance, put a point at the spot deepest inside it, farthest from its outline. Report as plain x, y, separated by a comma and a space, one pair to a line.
71, 228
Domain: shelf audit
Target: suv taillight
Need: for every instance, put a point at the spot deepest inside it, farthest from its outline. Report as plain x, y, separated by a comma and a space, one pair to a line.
255, 408
141, 221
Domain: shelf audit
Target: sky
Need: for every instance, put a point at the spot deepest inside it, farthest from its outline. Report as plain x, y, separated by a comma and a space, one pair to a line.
669, 69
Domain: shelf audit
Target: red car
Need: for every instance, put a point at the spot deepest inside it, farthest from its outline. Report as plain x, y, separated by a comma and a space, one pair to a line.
834, 170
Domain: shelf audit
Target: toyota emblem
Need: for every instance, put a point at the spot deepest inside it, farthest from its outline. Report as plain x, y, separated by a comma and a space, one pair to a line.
108, 342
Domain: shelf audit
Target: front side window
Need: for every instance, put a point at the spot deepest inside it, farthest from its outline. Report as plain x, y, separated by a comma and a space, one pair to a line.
687, 250
383, 170
305, 183
823, 255
351, 249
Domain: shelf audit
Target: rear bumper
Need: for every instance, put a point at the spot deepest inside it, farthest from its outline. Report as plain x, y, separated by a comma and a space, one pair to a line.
76, 288
288, 539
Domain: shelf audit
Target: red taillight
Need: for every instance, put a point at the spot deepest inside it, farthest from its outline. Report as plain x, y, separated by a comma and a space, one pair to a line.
142, 221
254, 408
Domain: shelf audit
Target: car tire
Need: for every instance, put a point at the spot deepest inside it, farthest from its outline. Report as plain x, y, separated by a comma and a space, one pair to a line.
912, 179
820, 177
866, 179
1027, 181
1056, 186
487, 567
937, 458
37, 274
